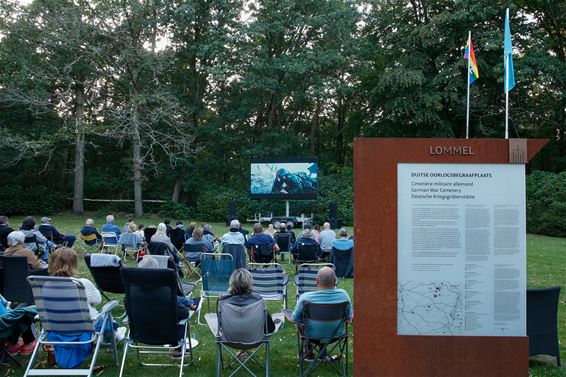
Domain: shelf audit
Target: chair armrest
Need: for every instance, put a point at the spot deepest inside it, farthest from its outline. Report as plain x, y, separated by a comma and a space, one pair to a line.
285, 279
107, 308
183, 322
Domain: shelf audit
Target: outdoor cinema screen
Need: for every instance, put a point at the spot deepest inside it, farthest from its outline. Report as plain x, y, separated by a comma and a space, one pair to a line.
284, 178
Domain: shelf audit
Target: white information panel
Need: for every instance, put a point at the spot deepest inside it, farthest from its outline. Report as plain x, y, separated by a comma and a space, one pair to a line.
461, 250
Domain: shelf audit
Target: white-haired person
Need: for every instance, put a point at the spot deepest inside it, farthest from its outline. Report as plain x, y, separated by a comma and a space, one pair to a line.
326, 237
90, 230
233, 236
17, 248
160, 237
111, 227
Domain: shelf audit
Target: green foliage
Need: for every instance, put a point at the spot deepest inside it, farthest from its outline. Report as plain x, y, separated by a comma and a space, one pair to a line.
30, 199
175, 211
546, 203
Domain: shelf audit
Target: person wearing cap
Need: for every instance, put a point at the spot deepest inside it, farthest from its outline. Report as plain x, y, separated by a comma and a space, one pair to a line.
50, 232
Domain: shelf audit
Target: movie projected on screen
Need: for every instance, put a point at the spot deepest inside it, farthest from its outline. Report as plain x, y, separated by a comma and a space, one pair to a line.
284, 178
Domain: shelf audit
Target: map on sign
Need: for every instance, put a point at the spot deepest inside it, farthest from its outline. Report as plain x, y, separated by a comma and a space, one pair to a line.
431, 308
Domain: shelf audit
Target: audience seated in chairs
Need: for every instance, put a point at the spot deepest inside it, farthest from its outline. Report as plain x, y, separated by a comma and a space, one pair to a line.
177, 236
342, 255
318, 326
306, 249
161, 244
327, 236
17, 248
4, 231
131, 240
196, 245
90, 234
35, 241
189, 232
283, 230
262, 247
242, 322
110, 227
233, 243
208, 235
53, 235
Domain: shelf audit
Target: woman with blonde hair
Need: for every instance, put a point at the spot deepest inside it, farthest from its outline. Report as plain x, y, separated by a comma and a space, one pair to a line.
240, 292
270, 230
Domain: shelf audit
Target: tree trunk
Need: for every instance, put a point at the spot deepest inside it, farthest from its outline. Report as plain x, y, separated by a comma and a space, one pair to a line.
138, 165
315, 127
78, 193
176, 191
340, 133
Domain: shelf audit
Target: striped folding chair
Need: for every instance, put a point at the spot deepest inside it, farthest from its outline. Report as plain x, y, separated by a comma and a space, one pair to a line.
269, 281
63, 308
305, 280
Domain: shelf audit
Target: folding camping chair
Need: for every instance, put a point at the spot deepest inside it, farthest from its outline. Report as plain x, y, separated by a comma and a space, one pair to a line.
166, 261
216, 269
269, 281
331, 324
105, 271
262, 253
284, 242
154, 326
238, 253
131, 242
305, 280
15, 286
344, 262
243, 328
110, 241
191, 259
307, 253
63, 309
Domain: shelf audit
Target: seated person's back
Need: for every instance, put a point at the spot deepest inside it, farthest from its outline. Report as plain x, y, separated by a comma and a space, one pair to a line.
326, 293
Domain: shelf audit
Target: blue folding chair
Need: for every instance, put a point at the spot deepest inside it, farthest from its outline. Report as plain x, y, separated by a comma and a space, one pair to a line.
215, 269
269, 281
63, 308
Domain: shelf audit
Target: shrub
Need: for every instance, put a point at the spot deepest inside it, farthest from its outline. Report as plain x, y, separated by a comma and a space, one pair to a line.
546, 203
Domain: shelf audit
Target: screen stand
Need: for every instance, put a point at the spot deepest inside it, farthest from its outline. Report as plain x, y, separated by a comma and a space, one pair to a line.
286, 208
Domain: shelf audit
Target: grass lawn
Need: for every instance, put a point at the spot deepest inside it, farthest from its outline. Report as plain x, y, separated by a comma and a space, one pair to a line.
546, 265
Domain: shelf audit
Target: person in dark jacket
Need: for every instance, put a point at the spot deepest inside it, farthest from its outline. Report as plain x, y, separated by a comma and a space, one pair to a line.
4, 231
88, 231
52, 234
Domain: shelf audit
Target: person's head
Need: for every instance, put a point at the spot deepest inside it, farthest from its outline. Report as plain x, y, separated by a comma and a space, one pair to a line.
325, 278
270, 227
89, 222
234, 224
28, 223
63, 262
45, 220
343, 233
316, 227
289, 225
206, 227
241, 282
161, 230
140, 227
16, 238
132, 227
193, 225
110, 219
167, 221
258, 228
130, 219
306, 226
197, 234
307, 233
179, 224
148, 262
283, 227
281, 172
326, 225
3, 220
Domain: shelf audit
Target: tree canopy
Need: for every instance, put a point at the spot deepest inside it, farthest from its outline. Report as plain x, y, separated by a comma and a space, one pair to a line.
169, 99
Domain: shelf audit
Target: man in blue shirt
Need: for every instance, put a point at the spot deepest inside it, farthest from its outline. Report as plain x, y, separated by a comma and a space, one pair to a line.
326, 293
256, 241
52, 234
110, 227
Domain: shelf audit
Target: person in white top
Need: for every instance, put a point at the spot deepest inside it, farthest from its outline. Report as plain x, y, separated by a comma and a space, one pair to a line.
64, 262
326, 237
233, 236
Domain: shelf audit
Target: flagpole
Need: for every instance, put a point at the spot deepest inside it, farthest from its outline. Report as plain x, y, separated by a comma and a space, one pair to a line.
507, 89
506, 97
468, 93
